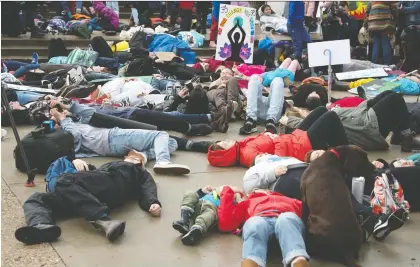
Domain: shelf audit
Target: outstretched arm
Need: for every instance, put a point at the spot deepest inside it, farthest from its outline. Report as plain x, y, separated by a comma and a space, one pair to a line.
243, 33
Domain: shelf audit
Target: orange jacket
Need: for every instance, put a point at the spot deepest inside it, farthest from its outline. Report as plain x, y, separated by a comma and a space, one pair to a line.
231, 216
295, 145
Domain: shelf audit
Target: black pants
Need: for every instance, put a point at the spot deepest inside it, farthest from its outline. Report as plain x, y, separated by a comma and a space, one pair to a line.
324, 129
392, 113
162, 120
183, 72
186, 16
57, 48
106, 25
409, 179
101, 46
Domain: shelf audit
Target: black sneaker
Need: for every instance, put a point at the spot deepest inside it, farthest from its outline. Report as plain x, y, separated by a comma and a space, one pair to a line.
200, 146
192, 237
199, 130
270, 126
250, 126
37, 234
388, 223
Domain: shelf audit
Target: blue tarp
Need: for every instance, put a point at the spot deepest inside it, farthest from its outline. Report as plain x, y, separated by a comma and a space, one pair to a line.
167, 43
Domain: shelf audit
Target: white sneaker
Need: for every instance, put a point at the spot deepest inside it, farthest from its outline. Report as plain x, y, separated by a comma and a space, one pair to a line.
3, 133
170, 168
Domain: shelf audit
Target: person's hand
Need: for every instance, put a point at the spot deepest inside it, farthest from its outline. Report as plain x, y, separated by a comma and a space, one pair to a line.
207, 189
339, 20
402, 76
14, 105
280, 170
80, 165
378, 164
271, 135
59, 116
56, 102
183, 93
284, 120
155, 210
49, 97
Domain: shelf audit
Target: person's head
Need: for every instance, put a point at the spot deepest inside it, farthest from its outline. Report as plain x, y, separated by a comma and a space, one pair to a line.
223, 153
313, 155
344, 7
402, 163
226, 74
313, 101
266, 9
236, 37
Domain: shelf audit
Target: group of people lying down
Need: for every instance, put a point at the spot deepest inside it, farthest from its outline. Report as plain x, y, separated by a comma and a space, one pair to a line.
269, 204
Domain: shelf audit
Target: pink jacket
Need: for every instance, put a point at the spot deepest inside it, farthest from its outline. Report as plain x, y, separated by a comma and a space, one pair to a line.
106, 12
248, 70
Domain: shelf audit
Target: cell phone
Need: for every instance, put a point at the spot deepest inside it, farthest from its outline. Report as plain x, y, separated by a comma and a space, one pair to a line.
190, 86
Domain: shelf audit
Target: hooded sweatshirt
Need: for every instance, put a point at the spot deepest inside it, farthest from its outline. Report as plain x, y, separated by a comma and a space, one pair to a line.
106, 12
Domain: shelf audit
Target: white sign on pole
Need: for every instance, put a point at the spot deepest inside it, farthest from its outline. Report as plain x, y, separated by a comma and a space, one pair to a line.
236, 34
340, 53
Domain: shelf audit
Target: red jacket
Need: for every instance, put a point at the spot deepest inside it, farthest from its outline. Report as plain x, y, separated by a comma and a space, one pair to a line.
231, 216
295, 145
348, 102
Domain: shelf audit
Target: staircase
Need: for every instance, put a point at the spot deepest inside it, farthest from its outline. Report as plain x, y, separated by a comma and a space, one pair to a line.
22, 47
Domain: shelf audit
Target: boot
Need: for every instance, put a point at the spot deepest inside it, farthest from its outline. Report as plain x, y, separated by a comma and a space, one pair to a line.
410, 143
36, 33
37, 234
112, 228
249, 263
183, 225
192, 237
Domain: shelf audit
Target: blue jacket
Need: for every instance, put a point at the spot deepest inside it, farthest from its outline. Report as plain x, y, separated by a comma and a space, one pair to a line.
58, 167
268, 77
296, 12
411, 12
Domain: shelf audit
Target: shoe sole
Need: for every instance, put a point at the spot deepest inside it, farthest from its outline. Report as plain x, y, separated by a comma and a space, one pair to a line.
253, 130
179, 228
394, 222
31, 235
116, 232
171, 170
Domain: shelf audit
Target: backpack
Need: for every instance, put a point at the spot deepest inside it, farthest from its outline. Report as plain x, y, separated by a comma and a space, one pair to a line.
56, 78
42, 151
140, 66
138, 44
387, 195
82, 57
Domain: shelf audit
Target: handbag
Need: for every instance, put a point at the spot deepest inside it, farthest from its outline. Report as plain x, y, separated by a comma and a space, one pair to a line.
84, 57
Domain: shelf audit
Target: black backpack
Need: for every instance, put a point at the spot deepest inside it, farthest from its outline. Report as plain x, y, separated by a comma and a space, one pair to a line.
140, 66
43, 150
138, 44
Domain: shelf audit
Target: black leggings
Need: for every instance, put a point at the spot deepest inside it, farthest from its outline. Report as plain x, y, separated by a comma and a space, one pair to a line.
324, 129
162, 120
392, 113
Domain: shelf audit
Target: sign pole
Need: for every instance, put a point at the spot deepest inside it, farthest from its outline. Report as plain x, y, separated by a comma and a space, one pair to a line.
329, 73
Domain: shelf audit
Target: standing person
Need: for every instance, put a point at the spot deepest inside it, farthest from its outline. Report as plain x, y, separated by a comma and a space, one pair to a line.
215, 22
114, 6
203, 8
296, 28
185, 12
29, 9
74, 189
380, 21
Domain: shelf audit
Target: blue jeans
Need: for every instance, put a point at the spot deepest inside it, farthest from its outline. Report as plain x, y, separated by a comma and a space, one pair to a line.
161, 85
14, 65
300, 36
79, 5
155, 144
288, 228
135, 16
25, 97
381, 40
192, 118
114, 6
25, 69
262, 107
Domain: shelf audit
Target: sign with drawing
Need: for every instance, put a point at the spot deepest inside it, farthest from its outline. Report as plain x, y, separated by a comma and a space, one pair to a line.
236, 34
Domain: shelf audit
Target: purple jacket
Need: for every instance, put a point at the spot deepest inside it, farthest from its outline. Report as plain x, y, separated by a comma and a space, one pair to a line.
107, 13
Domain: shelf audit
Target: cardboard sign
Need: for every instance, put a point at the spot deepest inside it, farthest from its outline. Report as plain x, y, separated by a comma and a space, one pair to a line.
236, 34
340, 53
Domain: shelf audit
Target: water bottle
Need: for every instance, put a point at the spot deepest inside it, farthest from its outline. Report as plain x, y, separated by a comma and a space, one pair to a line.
357, 188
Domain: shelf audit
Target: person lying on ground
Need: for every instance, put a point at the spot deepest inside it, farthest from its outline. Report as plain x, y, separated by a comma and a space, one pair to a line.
265, 214
91, 194
199, 213
197, 102
368, 124
116, 142
268, 109
326, 132
283, 174
406, 171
